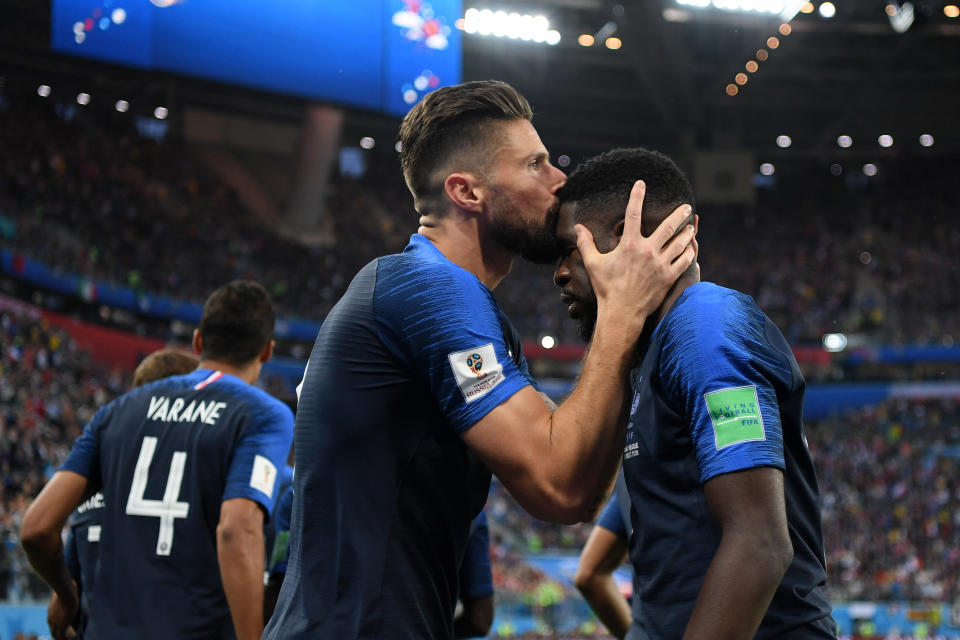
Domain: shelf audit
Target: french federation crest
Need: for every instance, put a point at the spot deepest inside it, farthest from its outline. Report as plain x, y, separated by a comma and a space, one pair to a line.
475, 362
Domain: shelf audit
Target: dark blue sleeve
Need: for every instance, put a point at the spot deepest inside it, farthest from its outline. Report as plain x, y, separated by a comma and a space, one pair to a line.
611, 519
280, 553
717, 366
476, 578
84, 458
72, 558
261, 453
445, 325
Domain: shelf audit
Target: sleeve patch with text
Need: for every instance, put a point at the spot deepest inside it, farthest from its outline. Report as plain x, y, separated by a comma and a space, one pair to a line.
735, 415
477, 371
264, 475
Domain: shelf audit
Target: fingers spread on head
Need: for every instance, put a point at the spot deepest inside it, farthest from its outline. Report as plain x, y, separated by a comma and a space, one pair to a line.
634, 216
585, 243
668, 228
683, 262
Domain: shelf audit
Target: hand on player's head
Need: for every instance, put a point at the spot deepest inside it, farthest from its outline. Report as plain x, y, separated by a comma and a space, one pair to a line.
632, 280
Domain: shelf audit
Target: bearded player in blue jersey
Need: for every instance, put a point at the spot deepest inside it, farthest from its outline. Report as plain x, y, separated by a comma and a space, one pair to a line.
188, 468
727, 540
417, 387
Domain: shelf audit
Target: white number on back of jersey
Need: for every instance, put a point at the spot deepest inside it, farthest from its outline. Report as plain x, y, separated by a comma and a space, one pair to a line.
167, 509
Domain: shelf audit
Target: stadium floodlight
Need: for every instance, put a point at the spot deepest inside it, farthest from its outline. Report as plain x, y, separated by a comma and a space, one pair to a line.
870, 169
828, 10
366, 142
83, 99
548, 342
844, 142
926, 140
784, 141
834, 342
161, 113
783, 9
885, 140
767, 169
43, 90
122, 106
514, 26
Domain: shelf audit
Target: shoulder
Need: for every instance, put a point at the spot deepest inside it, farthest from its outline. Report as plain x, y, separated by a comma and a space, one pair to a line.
258, 400
711, 317
420, 293
422, 274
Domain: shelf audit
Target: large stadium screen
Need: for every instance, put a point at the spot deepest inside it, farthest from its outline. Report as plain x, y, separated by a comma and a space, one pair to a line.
374, 54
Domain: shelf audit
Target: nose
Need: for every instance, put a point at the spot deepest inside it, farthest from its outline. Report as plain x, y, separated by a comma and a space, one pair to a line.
559, 178
561, 275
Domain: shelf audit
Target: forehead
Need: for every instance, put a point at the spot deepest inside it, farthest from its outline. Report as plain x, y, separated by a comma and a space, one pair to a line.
519, 138
566, 219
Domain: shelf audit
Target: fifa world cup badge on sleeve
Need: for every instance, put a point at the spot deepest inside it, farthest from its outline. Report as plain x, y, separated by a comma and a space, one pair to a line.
264, 475
477, 371
735, 415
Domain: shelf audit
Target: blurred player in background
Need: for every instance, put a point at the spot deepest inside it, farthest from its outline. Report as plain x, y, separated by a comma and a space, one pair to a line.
417, 386
188, 467
474, 615
727, 540
606, 550
80, 549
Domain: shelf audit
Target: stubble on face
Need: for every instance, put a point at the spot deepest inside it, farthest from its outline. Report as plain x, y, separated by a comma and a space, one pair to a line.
534, 242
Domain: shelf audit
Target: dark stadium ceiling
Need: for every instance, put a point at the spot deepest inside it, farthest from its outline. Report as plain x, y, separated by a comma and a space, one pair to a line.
665, 87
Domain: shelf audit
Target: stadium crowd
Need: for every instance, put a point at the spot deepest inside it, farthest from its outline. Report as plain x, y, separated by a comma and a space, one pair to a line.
889, 476
49, 388
84, 197
91, 196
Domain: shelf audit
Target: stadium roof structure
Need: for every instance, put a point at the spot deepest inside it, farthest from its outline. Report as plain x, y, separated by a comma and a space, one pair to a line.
668, 83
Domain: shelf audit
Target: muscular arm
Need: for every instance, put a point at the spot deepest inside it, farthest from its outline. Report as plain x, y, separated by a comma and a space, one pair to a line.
40, 536
559, 464
240, 553
755, 551
603, 553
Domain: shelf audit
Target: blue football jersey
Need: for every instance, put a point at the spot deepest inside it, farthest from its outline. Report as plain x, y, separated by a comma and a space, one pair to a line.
414, 353
615, 516
476, 576
165, 456
718, 390
280, 552
81, 551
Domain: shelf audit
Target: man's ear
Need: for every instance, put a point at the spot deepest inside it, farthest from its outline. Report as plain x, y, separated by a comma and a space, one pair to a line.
463, 191
267, 351
617, 233
197, 342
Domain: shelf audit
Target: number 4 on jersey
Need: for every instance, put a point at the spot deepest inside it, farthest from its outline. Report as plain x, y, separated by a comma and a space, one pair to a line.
167, 509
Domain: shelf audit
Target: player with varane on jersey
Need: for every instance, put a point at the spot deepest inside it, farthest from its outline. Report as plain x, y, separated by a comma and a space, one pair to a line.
83, 542
188, 468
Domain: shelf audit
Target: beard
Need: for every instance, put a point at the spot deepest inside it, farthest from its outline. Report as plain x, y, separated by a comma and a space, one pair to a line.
535, 243
587, 319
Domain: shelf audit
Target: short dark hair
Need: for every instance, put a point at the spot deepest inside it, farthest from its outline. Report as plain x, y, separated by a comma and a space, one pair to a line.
459, 120
602, 185
163, 363
237, 322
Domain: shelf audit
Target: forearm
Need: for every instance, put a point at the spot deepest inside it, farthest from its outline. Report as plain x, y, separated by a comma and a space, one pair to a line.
241, 556
604, 597
737, 589
587, 431
45, 553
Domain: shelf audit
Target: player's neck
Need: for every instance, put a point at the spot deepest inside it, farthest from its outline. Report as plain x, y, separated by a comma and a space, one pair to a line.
460, 241
692, 276
248, 373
